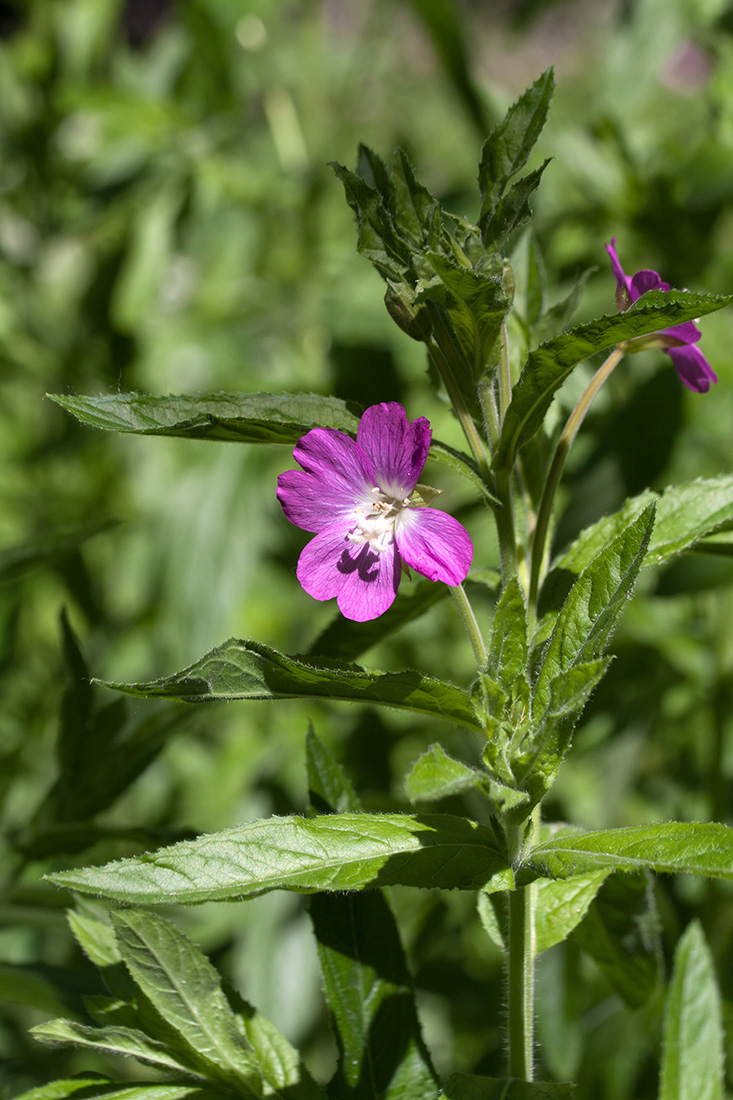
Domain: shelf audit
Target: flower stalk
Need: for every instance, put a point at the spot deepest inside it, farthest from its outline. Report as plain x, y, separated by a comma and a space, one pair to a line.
564, 443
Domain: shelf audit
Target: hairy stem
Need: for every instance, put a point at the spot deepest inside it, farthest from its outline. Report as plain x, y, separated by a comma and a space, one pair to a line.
521, 956
469, 621
554, 473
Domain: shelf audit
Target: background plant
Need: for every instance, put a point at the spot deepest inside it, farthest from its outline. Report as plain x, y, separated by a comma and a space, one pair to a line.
623, 169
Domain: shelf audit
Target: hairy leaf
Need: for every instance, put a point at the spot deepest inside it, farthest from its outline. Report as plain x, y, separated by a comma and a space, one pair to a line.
333, 852
92, 1086
365, 972
692, 1057
549, 365
241, 669
110, 1040
561, 906
242, 418
435, 775
697, 848
686, 513
507, 149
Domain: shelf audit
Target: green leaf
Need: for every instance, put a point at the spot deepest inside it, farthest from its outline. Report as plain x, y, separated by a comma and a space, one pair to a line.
585, 623
507, 149
512, 211
464, 1086
329, 791
92, 1086
561, 906
436, 775
692, 1057
185, 991
333, 852
476, 302
110, 1040
241, 418
621, 934
369, 992
225, 417
549, 365
508, 647
364, 970
241, 669
686, 513
344, 640
694, 847
571, 663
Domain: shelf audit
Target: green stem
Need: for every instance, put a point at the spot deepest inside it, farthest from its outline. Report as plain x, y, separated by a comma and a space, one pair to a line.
469, 621
521, 956
521, 982
554, 473
505, 375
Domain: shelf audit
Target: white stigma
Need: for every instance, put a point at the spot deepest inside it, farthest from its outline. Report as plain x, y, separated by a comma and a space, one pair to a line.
374, 521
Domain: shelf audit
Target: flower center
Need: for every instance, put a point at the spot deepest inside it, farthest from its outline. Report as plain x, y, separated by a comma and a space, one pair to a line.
374, 521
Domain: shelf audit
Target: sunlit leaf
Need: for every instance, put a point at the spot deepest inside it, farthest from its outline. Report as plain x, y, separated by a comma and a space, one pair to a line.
333, 852
697, 848
692, 1057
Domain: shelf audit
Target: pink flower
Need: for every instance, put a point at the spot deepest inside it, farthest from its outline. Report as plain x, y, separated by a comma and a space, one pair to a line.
678, 342
356, 497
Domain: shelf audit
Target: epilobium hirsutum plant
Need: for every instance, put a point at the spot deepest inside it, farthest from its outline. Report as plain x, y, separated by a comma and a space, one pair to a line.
498, 355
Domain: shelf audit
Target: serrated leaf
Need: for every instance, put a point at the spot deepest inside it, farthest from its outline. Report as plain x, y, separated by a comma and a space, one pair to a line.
345, 640
475, 301
369, 992
507, 149
241, 669
696, 848
111, 1040
621, 934
435, 775
92, 1086
185, 991
686, 513
571, 663
549, 365
242, 417
331, 852
233, 418
512, 211
508, 646
464, 1086
692, 1056
561, 906
364, 970
593, 606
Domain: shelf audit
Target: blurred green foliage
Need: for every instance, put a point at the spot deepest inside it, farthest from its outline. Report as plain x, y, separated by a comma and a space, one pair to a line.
168, 223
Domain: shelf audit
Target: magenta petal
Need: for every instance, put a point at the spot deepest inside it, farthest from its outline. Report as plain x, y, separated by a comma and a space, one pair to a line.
435, 544
364, 581
686, 333
397, 448
693, 368
308, 502
618, 271
336, 460
318, 564
645, 280
369, 582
